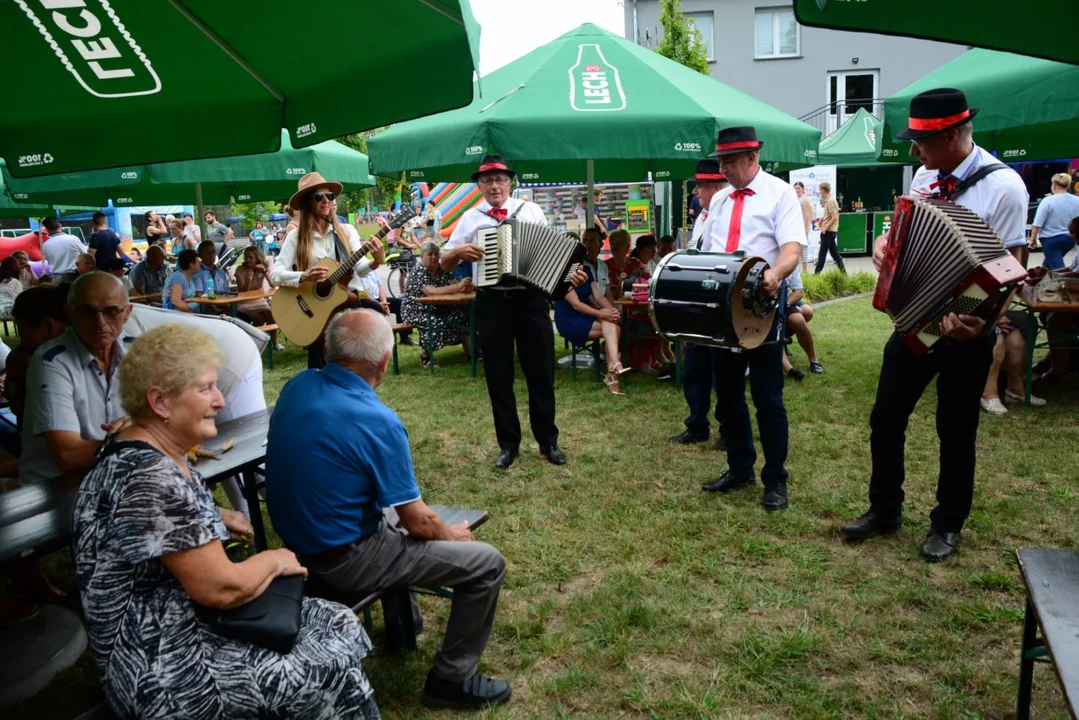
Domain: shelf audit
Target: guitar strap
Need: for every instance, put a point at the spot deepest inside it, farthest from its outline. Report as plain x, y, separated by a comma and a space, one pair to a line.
339, 248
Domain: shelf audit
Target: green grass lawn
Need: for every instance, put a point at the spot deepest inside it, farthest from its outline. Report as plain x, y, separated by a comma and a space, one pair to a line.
630, 593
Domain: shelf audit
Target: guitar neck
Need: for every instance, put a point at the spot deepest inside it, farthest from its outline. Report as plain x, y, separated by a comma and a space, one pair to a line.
346, 267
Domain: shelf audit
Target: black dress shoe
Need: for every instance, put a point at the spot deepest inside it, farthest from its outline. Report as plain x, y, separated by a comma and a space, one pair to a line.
775, 497
475, 693
506, 458
688, 437
939, 545
553, 454
871, 525
728, 482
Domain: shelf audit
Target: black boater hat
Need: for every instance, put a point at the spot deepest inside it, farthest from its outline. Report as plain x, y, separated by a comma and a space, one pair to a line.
739, 139
492, 163
935, 111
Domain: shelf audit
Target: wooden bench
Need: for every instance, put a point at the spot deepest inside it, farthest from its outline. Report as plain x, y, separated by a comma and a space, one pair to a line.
404, 633
1052, 580
398, 328
269, 330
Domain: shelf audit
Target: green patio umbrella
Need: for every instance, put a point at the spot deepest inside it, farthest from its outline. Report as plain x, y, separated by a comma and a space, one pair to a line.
1036, 27
17, 206
266, 176
128, 82
1029, 107
589, 100
855, 144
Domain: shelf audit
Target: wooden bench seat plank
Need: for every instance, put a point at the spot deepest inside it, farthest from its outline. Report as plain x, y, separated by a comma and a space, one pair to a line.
1052, 579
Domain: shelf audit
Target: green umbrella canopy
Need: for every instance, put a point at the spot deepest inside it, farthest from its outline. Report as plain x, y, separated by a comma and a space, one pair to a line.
1029, 107
128, 82
1036, 27
266, 176
589, 95
17, 207
855, 144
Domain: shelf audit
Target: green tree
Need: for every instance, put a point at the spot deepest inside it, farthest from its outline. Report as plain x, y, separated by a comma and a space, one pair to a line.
254, 211
682, 41
354, 200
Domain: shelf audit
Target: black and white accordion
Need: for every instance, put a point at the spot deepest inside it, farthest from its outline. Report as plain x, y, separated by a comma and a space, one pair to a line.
539, 256
941, 258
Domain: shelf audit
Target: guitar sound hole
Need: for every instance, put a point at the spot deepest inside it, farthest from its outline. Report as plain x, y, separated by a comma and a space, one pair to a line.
323, 290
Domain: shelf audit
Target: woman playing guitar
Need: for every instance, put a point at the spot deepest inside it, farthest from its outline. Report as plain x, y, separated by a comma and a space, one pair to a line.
321, 235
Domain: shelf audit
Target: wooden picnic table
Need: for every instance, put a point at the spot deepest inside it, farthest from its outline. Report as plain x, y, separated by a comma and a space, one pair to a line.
146, 298
1025, 297
1052, 580
232, 300
451, 300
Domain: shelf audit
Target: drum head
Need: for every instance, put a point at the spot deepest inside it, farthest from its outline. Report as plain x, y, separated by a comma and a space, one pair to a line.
751, 329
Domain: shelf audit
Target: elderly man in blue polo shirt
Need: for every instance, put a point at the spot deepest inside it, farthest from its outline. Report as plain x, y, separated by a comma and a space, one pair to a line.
336, 458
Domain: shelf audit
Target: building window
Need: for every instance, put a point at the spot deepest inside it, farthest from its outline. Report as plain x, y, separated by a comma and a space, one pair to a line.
777, 33
704, 23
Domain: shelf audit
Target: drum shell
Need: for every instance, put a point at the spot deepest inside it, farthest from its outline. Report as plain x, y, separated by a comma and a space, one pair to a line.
691, 298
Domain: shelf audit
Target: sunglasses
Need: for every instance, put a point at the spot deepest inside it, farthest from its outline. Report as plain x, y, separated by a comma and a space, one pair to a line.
320, 196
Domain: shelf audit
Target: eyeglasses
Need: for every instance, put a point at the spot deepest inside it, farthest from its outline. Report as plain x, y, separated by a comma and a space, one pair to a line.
89, 312
320, 196
489, 181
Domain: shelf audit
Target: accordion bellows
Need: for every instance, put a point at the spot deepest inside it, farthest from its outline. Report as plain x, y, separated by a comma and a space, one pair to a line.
942, 258
521, 252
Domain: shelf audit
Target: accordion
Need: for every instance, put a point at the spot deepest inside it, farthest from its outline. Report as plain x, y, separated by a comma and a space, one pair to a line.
539, 256
941, 258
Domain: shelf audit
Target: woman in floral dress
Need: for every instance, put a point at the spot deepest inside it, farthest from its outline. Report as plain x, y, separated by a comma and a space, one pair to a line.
440, 325
149, 545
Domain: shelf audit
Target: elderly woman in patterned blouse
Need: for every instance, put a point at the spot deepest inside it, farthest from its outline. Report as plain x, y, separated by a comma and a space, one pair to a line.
149, 541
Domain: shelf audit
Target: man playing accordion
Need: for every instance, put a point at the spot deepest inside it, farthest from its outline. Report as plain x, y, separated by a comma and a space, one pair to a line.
941, 133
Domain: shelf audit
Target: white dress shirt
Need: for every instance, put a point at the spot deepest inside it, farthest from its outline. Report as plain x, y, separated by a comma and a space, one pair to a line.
698, 230
999, 198
477, 219
771, 218
282, 272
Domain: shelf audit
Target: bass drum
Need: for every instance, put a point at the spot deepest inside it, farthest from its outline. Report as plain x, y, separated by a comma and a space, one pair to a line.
712, 299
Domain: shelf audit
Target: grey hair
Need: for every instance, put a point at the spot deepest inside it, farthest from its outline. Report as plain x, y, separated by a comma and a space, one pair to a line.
429, 246
966, 130
345, 344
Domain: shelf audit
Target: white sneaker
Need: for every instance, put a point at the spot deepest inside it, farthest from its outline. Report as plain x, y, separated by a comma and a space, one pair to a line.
279, 347
1010, 397
994, 406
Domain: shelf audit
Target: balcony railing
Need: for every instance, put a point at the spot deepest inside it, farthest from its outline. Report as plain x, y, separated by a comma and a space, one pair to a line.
828, 118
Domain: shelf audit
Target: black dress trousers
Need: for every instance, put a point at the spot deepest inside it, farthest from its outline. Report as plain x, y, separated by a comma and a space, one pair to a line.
505, 318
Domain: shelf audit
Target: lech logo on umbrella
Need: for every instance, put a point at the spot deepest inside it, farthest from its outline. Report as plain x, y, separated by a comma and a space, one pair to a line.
594, 84
107, 61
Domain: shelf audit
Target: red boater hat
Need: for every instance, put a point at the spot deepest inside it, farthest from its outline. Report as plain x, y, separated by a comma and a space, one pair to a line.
492, 163
935, 111
708, 171
740, 139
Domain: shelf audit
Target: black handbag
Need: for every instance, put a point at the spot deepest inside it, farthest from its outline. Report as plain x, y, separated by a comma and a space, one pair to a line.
272, 620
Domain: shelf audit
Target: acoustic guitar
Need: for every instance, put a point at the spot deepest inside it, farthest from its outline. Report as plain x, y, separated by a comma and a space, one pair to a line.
302, 312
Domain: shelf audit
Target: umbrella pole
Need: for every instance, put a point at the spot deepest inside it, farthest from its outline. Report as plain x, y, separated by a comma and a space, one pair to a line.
590, 194
199, 210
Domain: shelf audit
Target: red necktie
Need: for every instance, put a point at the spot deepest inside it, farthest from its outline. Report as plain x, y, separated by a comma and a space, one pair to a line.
945, 186
734, 234
498, 213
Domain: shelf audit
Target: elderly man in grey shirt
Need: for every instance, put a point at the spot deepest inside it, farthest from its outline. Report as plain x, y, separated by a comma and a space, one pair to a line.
73, 395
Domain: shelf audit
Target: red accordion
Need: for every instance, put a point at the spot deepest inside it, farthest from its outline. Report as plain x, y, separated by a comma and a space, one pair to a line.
941, 258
